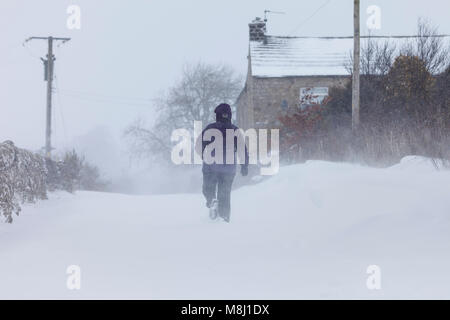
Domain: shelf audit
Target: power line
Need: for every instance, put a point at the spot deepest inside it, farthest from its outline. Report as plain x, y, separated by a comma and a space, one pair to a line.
30, 52
101, 99
104, 96
105, 100
61, 111
310, 17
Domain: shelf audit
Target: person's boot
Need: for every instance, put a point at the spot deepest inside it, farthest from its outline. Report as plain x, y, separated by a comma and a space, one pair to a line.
225, 216
213, 209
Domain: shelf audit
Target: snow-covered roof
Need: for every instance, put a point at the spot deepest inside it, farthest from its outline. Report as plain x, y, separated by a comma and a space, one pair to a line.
306, 56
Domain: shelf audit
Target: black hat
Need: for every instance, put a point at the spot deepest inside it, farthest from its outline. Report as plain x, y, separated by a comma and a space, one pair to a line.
223, 108
223, 112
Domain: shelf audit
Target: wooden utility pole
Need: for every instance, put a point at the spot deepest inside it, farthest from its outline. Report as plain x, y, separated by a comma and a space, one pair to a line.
48, 67
48, 126
356, 62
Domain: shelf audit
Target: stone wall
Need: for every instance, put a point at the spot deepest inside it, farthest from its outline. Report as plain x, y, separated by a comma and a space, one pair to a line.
242, 109
273, 97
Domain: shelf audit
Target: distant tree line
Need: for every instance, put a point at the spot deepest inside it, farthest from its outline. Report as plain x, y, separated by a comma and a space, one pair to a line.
405, 108
27, 177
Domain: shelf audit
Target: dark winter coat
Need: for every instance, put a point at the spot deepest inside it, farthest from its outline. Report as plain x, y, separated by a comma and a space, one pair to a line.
223, 122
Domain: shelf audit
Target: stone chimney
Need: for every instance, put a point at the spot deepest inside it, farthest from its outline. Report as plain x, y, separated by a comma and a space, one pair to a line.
257, 29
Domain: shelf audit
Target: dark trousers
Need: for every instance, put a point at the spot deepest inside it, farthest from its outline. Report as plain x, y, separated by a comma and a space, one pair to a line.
221, 182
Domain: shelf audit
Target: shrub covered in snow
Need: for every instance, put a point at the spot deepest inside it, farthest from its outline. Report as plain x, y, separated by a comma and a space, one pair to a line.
22, 178
26, 177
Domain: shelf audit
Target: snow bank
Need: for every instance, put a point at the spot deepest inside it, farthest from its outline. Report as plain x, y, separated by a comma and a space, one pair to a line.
420, 163
309, 232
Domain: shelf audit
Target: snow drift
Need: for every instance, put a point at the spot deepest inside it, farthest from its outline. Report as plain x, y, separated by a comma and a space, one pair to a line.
309, 232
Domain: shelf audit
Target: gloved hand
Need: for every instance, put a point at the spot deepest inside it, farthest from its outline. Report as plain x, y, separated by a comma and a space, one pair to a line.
244, 170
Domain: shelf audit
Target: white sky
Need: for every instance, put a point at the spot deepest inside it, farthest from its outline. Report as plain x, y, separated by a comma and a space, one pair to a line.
128, 51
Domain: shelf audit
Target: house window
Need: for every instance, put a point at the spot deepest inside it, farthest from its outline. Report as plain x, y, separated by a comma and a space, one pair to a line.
312, 96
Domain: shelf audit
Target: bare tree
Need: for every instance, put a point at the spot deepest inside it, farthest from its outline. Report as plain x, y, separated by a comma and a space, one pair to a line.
376, 57
201, 88
429, 47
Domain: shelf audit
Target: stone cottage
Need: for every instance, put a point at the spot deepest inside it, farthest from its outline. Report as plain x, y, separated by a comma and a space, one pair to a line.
281, 70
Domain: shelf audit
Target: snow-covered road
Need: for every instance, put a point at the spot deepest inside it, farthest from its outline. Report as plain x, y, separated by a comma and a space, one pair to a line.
309, 232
